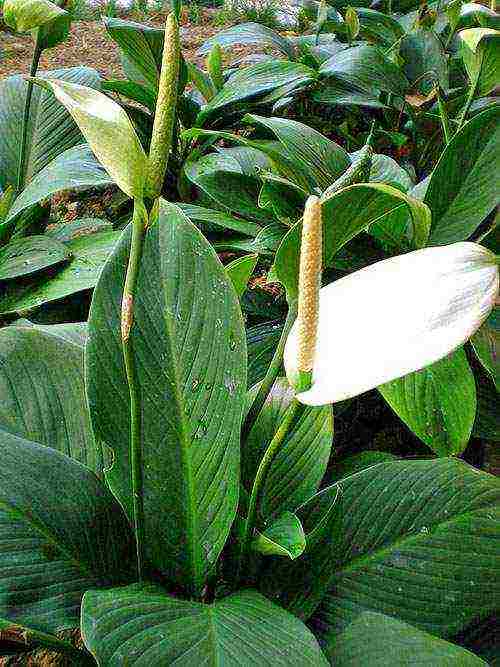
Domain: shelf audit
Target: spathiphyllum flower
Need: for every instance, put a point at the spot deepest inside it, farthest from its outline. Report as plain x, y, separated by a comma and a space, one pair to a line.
395, 317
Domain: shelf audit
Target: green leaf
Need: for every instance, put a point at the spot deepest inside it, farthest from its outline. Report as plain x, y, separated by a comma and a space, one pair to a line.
192, 378
256, 80
301, 461
202, 82
424, 61
211, 220
418, 542
312, 151
240, 270
261, 343
109, 132
69, 231
143, 626
392, 215
463, 187
481, 55
27, 15
486, 344
379, 27
437, 403
24, 257
141, 47
51, 130
357, 462
134, 91
487, 423
73, 332
63, 534
43, 392
378, 640
365, 68
249, 33
75, 168
386, 170
89, 254
340, 94
284, 537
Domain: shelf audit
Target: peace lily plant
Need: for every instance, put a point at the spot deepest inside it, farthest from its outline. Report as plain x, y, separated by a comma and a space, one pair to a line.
187, 542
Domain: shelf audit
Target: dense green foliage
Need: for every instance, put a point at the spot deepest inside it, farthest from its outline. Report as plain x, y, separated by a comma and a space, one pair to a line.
163, 488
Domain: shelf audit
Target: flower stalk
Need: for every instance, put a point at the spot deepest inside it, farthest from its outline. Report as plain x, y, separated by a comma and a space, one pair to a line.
139, 225
165, 112
37, 53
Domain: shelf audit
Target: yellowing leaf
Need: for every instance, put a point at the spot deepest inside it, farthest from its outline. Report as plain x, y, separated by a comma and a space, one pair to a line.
109, 132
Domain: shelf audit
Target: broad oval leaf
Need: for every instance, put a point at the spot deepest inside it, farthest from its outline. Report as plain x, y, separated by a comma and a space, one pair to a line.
424, 61
420, 306
188, 339
261, 343
76, 168
437, 403
63, 533
283, 537
365, 68
257, 80
481, 55
416, 541
315, 154
249, 33
143, 626
43, 393
89, 254
463, 187
27, 15
210, 220
301, 461
51, 129
109, 132
379, 640
25, 256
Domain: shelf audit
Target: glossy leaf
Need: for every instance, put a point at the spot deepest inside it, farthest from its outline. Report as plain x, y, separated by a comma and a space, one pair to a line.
416, 541
322, 158
143, 626
43, 393
72, 332
301, 461
62, 533
261, 342
420, 306
133, 91
210, 220
424, 61
23, 257
89, 255
141, 47
379, 27
481, 55
109, 132
378, 640
240, 271
486, 344
249, 33
69, 231
365, 68
463, 187
27, 15
283, 537
437, 403
51, 129
192, 378
357, 462
75, 168
258, 79
392, 215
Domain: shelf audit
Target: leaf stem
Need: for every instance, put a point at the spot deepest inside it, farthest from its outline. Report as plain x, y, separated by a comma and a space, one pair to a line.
27, 106
260, 478
470, 98
139, 222
443, 114
271, 374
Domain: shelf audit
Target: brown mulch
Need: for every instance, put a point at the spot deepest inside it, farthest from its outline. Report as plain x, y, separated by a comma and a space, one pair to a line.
90, 45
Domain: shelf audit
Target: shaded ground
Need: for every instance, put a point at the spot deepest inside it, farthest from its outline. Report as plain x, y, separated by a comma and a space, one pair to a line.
90, 45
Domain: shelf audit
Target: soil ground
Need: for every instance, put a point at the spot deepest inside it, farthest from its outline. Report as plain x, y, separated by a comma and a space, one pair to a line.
90, 45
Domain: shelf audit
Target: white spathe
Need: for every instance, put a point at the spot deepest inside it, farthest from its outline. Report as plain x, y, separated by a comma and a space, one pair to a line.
395, 317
